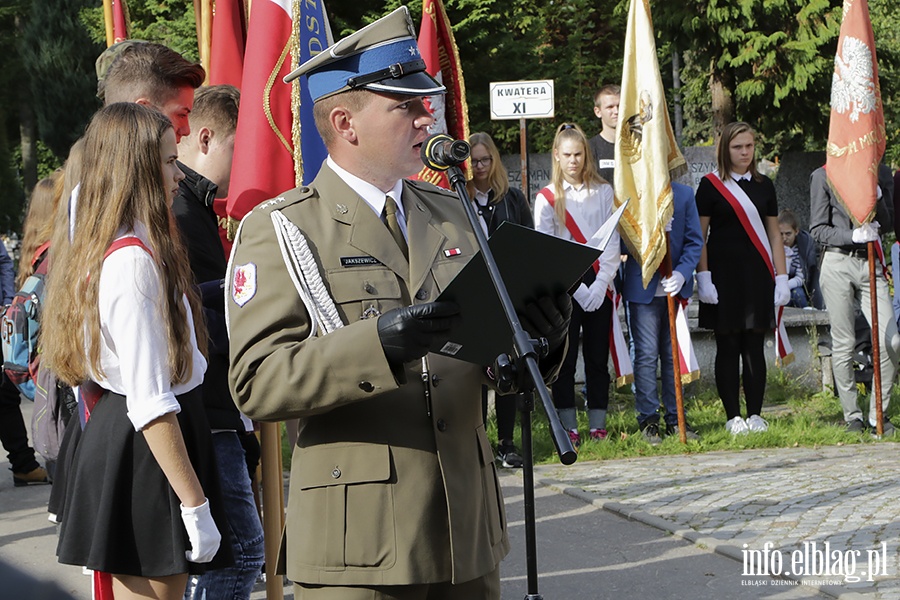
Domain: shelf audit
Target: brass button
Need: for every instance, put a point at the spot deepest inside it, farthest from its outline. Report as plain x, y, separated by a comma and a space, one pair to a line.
442, 425
422, 294
366, 386
336, 473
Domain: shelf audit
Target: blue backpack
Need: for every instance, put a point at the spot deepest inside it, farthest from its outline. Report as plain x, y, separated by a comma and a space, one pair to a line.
19, 328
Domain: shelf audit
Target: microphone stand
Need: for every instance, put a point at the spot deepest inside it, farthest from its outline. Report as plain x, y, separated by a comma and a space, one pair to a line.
525, 360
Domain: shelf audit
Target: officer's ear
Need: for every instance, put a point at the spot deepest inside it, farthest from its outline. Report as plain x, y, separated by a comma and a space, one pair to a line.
341, 120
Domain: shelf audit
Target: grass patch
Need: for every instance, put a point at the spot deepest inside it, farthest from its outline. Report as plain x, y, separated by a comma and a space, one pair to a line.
796, 416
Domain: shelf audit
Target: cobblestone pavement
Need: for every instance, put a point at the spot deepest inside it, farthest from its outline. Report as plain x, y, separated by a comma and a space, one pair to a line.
829, 517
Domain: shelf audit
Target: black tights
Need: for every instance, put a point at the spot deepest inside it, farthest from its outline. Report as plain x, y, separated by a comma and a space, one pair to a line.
732, 348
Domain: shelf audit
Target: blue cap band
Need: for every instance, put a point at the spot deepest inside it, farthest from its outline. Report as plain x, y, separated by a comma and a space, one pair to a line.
333, 76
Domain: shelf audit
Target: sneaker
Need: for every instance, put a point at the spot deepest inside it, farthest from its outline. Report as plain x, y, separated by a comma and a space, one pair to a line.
598, 435
689, 433
757, 423
736, 426
34, 477
651, 434
575, 437
855, 426
508, 457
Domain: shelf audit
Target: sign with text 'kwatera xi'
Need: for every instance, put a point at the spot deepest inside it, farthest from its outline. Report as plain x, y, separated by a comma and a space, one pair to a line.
522, 99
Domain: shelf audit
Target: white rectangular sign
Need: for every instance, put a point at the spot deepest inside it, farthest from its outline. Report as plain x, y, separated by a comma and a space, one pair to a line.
522, 99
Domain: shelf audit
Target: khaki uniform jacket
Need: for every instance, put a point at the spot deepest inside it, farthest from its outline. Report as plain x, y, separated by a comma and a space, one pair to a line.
387, 487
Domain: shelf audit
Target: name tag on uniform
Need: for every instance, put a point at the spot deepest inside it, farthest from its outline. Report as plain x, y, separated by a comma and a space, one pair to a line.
358, 261
606, 163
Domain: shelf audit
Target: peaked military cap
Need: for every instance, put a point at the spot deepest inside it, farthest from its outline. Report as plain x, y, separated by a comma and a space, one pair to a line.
382, 57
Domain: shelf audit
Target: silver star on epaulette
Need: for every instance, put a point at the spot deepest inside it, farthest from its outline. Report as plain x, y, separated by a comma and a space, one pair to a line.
342, 208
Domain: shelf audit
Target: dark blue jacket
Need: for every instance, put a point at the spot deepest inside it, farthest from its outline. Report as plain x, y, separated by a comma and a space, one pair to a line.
687, 243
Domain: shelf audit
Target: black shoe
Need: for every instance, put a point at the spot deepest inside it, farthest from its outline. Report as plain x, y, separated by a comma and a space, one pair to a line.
509, 457
887, 429
689, 433
651, 434
855, 426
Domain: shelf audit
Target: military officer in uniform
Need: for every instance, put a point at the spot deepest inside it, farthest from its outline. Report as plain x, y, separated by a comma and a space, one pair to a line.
332, 312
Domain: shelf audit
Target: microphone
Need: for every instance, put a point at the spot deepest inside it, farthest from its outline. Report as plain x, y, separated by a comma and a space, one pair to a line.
440, 152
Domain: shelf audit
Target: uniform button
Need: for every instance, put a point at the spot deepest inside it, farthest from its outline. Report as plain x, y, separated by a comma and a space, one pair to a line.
366, 386
336, 473
370, 288
422, 294
435, 380
442, 425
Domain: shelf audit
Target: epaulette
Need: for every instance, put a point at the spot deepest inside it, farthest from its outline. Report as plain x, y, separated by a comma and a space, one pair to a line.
286, 199
429, 187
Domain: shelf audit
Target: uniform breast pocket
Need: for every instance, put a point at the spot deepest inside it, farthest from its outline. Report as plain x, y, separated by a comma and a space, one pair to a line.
364, 293
445, 269
344, 510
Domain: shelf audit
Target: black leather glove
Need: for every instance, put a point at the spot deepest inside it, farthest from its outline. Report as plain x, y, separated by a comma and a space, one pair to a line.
548, 318
407, 333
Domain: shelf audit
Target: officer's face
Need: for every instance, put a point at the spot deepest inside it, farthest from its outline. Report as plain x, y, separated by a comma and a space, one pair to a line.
389, 132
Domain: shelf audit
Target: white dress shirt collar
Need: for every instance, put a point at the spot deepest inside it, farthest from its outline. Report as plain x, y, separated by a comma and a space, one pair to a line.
746, 176
373, 196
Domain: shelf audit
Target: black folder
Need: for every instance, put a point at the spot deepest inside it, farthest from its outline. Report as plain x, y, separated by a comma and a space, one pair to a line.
532, 265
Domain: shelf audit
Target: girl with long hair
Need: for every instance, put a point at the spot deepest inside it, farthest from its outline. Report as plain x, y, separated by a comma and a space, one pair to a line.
579, 192
38, 225
495, 202
741, 276
142, 498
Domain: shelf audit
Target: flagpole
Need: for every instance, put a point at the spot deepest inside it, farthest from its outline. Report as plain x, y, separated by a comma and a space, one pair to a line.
273, 504
205, 40
876, 342
108, 22
673, 338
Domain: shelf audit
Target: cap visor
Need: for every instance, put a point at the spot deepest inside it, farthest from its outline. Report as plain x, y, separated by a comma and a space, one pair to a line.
413, 84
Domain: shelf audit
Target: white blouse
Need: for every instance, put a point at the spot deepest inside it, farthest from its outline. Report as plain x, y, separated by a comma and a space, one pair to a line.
590, 207
134, 347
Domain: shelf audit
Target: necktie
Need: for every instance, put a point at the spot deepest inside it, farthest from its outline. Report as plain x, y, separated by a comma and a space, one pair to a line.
393, 225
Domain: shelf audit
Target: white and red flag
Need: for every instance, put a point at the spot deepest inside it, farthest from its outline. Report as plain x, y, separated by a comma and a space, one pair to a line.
263, 164
856, 134
438, 49
229, 38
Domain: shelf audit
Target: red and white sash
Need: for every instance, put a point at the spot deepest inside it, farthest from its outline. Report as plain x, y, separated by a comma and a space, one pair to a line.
749, 217
690, 367
618, 348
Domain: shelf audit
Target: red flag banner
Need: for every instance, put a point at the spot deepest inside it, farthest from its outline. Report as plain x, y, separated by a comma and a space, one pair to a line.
120, 21
229, 36
263, 164
856, 134
441, 56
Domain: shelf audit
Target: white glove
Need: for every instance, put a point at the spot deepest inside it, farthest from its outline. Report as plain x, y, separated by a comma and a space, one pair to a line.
867, 232
672, 285
782, 291
669, 224
202, 533
582, 296
706, 289
598, 294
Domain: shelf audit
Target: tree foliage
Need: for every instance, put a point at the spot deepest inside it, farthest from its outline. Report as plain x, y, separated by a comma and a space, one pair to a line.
768, 62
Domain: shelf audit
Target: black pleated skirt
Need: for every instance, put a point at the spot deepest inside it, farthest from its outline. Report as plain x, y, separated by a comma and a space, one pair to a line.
119, 513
